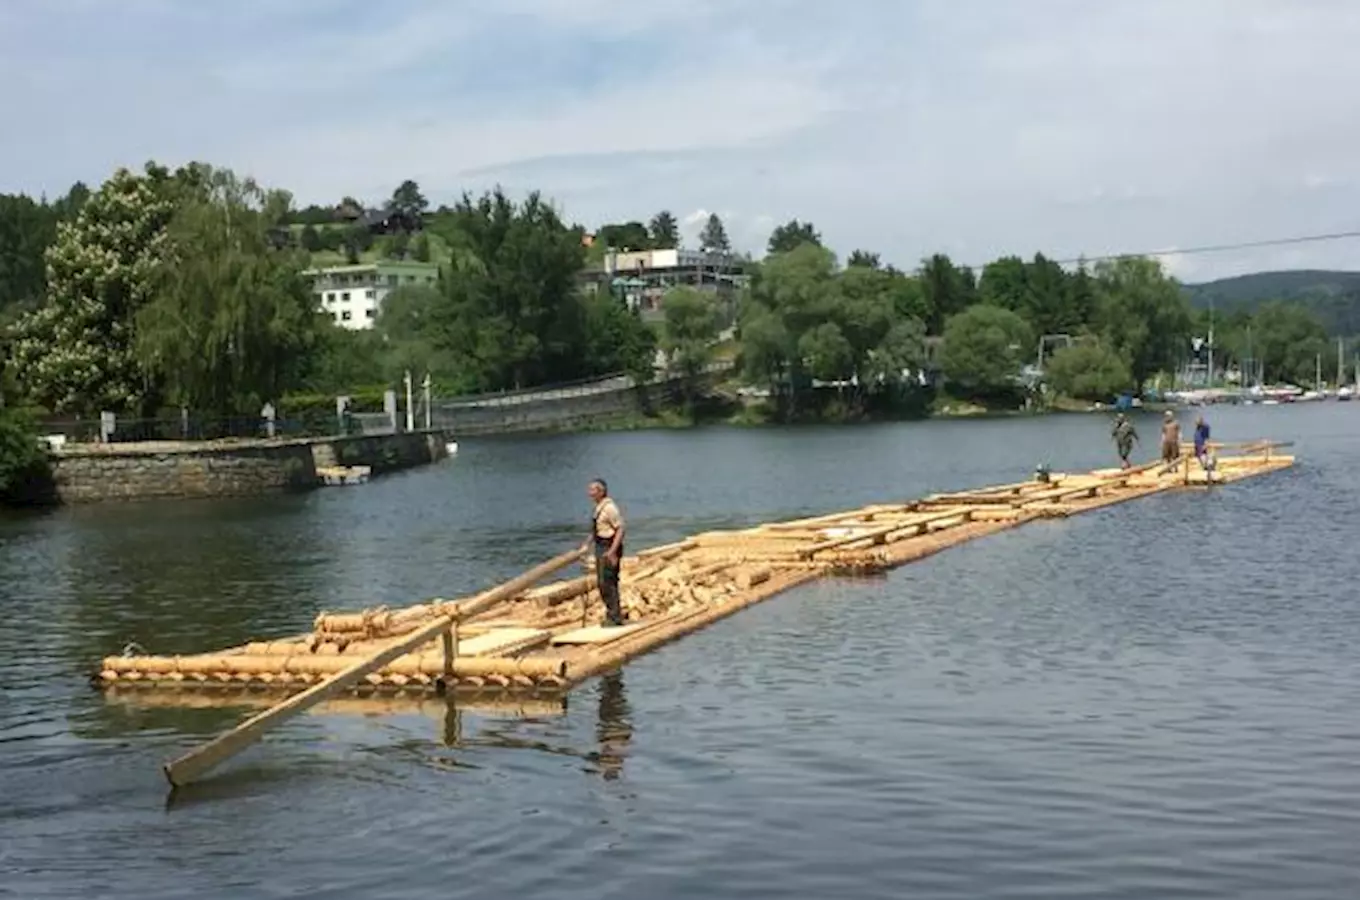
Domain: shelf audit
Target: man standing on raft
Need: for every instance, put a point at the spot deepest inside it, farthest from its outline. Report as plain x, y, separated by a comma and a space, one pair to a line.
1206, 461
1171, 440
1124, 436
606, 533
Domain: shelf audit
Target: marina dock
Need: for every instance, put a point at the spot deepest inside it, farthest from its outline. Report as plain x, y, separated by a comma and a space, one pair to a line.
526, 642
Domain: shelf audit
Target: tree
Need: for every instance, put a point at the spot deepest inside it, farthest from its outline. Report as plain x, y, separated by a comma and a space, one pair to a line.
713, 239
1004, 283
310, 238
826, 352
1287, 339
231, 320
791, 294
900, 354
409, 202
1047, 300
75, 352
356, 241
628, 236
23, 461
689, 334
512, 313
1088, 371
791, 235
27, 229
664, 231
949, 290
420, 248
863, 258
616, 339
1142, 315
984, 349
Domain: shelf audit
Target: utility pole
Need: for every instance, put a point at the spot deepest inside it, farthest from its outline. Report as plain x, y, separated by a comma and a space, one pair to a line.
410, 413
1210, 381
1340, 362
425, 385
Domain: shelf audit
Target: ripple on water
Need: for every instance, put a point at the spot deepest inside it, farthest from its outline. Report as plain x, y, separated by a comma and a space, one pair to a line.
1149, 701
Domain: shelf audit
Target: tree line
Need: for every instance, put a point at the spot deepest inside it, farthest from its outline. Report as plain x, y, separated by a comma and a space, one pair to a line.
165, 289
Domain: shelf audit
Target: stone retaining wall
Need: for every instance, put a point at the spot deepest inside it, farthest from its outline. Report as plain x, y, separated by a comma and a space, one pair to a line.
90, 473
552, 413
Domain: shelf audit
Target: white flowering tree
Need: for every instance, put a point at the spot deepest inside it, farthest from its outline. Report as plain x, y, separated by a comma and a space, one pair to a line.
75, 353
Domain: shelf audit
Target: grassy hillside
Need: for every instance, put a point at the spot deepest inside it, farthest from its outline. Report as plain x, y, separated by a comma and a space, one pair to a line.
1334, 297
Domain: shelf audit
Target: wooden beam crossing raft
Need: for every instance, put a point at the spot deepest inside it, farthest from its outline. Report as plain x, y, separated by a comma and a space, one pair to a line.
520, 641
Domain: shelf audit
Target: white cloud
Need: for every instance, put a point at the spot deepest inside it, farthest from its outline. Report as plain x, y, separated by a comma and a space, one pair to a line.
978, 129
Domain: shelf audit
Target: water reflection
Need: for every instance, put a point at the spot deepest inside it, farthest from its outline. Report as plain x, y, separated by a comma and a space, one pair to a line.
613, 727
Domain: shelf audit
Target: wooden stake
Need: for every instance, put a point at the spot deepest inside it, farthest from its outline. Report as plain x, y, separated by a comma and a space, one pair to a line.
197, 762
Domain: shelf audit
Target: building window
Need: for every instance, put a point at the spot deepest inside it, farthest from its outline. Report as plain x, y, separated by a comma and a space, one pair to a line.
345, 315
392, 280
330, 298
429, 279
370, 313
368, 294
345, 296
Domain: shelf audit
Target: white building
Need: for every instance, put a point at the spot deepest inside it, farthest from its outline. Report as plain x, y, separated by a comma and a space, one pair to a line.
353, 295
642, 277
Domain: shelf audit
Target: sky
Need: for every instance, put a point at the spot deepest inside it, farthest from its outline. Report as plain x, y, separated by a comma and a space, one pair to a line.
978, 128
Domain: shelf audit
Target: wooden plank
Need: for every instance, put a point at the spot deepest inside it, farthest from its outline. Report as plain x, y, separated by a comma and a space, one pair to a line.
595, 634
879, 534
202, 759
503, 640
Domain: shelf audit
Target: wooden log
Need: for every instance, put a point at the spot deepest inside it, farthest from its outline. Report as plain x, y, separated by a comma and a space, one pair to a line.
202, 759
878, 535
668, 550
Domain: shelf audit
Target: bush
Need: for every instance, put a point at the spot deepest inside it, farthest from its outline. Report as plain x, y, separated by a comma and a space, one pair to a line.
25, 471
315, 413
1089, 371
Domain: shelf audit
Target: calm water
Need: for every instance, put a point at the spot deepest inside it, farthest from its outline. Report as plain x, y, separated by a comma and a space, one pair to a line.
1157, 700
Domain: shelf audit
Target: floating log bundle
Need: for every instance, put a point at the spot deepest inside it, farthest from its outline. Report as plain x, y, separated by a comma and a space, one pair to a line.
526, 640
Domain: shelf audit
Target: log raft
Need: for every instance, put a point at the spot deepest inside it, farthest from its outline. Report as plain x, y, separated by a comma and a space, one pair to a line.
530, 641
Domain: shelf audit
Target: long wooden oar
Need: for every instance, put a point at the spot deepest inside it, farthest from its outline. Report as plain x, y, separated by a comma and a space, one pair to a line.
200, 760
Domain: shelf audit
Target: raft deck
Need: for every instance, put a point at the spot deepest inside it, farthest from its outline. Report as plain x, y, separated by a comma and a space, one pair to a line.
545, 640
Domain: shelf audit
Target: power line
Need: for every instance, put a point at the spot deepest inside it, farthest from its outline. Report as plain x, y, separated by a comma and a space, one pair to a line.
1217, 248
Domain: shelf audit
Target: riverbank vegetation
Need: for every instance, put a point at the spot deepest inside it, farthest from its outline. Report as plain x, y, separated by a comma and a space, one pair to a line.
178, 289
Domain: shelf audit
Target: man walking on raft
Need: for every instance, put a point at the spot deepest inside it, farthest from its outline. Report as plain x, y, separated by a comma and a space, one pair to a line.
1124, 436
1171, 440
606, 534
1202, 453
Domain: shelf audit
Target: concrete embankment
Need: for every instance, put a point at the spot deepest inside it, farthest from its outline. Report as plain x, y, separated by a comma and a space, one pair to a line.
237, 468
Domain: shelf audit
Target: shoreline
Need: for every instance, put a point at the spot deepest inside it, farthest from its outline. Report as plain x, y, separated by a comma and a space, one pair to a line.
751, 417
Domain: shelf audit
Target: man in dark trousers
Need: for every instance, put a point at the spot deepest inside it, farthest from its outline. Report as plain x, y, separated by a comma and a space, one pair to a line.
606, 534
1124, 435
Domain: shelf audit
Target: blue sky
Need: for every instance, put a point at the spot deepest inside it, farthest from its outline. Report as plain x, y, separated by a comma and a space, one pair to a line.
976, 127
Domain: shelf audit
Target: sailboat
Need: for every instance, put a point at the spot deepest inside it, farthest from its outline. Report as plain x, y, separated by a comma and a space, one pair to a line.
1343, 391
1316, 393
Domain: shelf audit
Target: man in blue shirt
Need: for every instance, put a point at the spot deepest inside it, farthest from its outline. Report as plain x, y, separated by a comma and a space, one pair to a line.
1202, 442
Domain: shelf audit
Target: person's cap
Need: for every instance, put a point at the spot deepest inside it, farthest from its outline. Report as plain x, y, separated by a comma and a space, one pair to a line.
1169, 414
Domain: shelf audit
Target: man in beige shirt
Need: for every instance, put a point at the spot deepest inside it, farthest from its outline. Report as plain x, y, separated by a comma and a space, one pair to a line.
606, 534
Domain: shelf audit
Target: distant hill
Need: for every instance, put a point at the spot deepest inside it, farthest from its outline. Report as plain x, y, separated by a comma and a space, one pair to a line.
1334, 297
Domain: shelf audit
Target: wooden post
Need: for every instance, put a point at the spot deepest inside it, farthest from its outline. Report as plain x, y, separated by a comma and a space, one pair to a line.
221, 748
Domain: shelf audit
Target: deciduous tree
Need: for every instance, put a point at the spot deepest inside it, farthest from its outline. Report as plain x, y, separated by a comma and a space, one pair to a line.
1088, 371
230, 321
75, 351
984, 349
